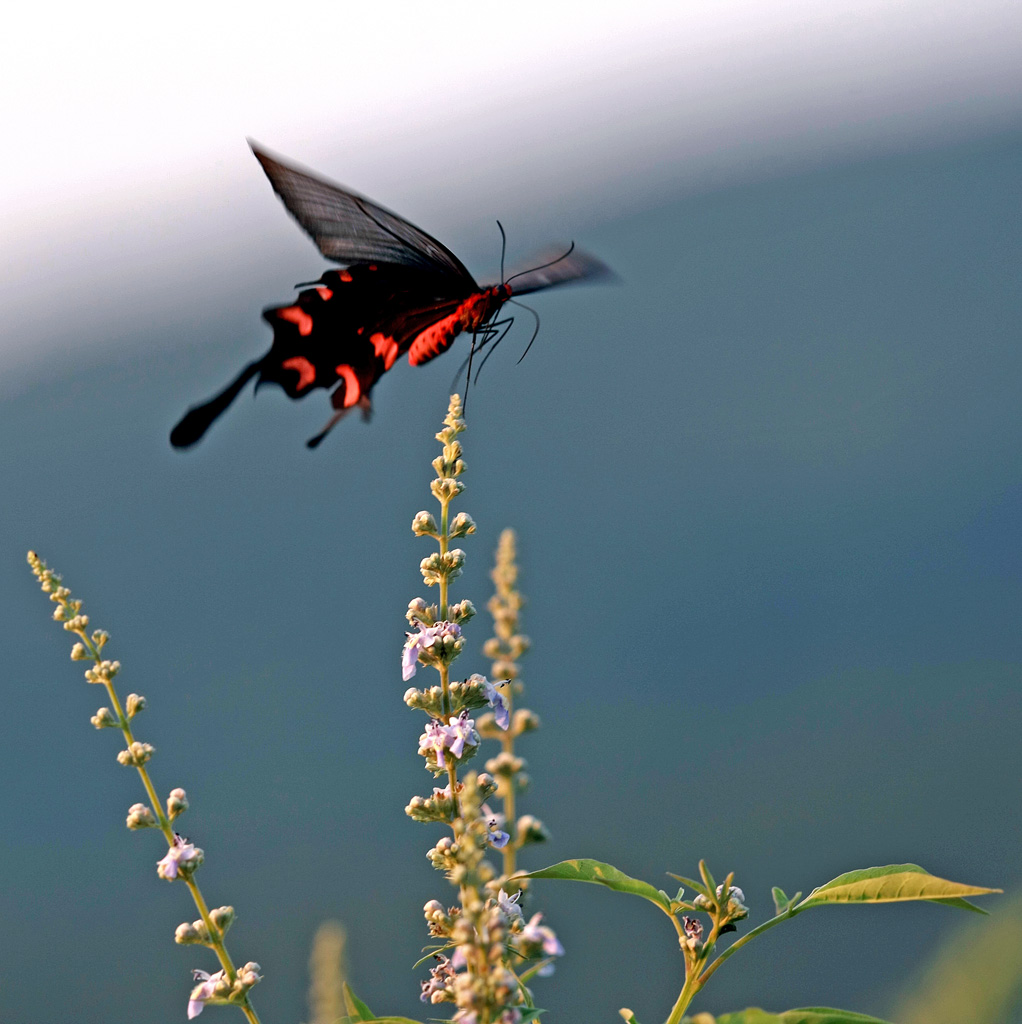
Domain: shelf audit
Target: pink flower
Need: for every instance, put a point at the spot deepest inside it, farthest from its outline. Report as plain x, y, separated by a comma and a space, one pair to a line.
495, 699
542, 936
423, 640
181, 859
495, 836
203, 992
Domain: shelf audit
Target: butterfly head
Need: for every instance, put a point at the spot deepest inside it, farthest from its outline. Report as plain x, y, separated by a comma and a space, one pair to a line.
481, 308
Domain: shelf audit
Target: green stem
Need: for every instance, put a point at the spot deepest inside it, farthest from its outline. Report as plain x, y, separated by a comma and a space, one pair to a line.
444, 512
165, 827
737, 945
685, 996
510, 852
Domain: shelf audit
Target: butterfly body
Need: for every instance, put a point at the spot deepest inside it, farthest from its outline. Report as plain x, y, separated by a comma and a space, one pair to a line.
400, 292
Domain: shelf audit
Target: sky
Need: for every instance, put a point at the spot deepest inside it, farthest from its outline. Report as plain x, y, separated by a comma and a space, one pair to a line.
767, 486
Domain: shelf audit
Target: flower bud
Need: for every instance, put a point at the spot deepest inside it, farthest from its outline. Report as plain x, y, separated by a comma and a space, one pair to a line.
104, 672
443, 856
504, 765
530, 830
524, 721
140, 816
438, 918
104, 719
424, 525
487, 785
79, 653
223, 918
249, 975
446, 488
421, 614
137, 754
461, 611
177, 803
187, 934
134, 704
462, 525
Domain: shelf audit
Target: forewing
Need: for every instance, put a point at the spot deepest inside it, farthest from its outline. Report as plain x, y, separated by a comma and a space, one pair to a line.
554, 268
349, 228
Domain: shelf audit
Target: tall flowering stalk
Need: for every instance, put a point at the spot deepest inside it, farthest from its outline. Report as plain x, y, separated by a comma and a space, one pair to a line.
483, 932
505, 648
230, 984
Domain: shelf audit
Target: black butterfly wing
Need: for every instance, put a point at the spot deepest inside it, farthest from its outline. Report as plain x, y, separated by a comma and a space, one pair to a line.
349, 228
347, 331
565, 268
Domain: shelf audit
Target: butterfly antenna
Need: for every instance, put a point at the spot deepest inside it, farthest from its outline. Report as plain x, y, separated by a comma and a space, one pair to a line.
543, 266
534, 313
503, 249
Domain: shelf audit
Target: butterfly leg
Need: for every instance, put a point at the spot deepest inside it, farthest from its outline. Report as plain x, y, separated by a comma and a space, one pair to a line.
499, 337
364, 405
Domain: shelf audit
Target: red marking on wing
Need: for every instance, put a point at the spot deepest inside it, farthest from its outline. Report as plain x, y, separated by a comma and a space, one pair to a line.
325, 293
352, 385
372, 266
360, 330
306, 371
434, 339
297, 315
385, 347
345, 276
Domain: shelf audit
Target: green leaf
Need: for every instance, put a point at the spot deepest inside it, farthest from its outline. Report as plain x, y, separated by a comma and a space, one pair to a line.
708, 879
809, 1015
782, 902
691, 883
894, 883
356, 1008
583, 869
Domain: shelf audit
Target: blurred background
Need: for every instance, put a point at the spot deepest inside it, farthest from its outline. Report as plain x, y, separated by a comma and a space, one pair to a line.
767, 488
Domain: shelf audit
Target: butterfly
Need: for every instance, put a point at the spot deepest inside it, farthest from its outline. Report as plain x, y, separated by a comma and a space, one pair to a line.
399, 291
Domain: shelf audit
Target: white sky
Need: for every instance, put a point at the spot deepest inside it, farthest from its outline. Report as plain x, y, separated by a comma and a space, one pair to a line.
98, 97
125, 121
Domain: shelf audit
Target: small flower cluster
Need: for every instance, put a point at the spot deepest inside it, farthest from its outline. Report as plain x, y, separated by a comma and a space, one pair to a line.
183, 858
725, 905
219, 988
477, 978
485, 932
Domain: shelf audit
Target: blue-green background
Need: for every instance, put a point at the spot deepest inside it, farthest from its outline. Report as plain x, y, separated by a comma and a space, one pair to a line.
768, 492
